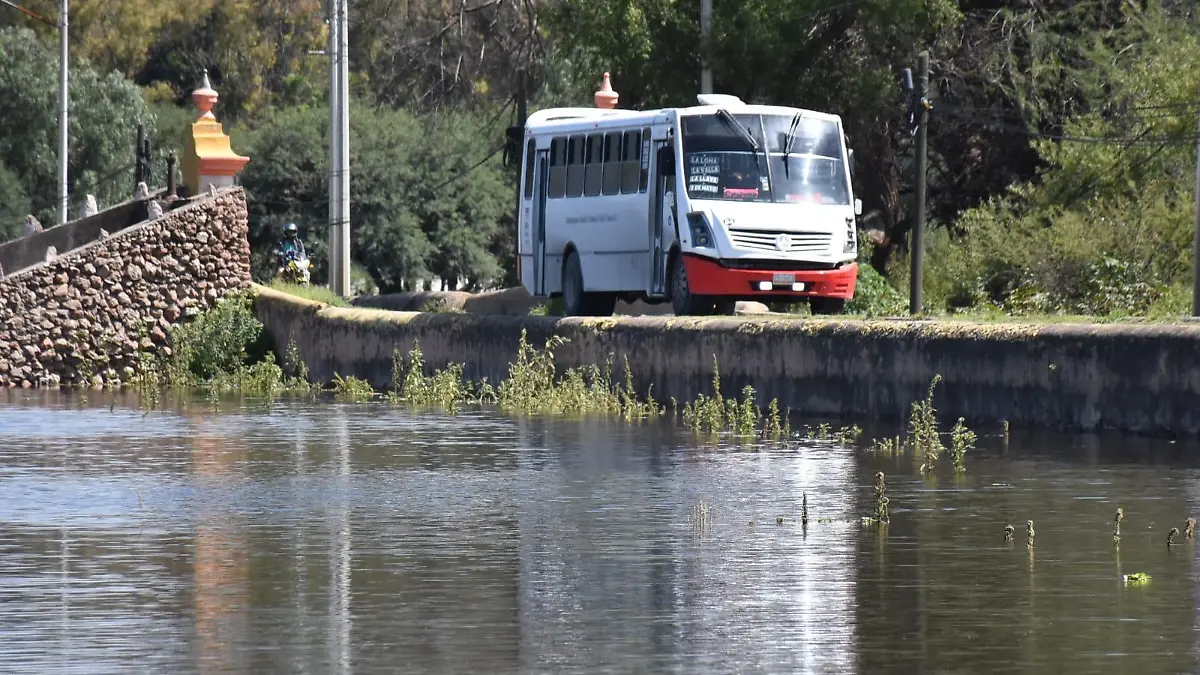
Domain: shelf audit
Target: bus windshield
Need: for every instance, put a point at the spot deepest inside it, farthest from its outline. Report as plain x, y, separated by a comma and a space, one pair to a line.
719, 162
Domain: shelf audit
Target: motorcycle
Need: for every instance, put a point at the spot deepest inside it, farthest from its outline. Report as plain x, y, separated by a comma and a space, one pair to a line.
295, 269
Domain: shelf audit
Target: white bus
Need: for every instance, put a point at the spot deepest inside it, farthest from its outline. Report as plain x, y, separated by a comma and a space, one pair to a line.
701, 206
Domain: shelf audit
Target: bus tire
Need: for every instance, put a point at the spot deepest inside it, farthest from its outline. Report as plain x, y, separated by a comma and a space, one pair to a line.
682, 300
826, 305
574, 300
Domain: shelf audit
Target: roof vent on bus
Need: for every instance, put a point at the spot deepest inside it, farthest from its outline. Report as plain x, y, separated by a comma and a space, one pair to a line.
606, 97
723, 100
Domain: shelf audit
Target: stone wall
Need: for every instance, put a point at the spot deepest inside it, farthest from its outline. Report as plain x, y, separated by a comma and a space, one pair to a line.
1139, 378
92, 309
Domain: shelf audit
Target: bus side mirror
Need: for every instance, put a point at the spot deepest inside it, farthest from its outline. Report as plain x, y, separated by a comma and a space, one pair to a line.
857, 207
666, 161
512, 145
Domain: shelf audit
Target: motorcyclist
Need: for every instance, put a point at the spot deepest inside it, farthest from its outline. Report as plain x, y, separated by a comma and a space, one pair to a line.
291, 248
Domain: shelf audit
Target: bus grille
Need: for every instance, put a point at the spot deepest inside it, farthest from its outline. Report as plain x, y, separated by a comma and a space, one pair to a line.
769, 264
770, 240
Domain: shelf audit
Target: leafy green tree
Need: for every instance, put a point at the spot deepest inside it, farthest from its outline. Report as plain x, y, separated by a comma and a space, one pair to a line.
422, 202
14, 205
1106, 225
256, 53
105, 112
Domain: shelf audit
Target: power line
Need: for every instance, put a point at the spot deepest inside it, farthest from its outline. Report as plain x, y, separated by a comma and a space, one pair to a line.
1114, 140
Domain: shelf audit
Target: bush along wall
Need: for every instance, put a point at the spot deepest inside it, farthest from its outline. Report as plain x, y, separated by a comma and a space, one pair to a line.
89, 316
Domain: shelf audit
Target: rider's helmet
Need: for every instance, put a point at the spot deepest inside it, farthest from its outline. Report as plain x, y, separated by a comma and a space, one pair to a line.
289, 230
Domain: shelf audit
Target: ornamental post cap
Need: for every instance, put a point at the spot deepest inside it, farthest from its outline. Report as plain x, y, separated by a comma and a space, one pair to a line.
606, 97
205, 97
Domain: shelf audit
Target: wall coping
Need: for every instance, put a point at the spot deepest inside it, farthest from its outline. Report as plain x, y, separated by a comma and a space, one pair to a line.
192, 203
883, 328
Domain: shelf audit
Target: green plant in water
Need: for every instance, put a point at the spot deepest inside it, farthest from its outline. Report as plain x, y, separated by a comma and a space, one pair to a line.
747, 413
1136, 578
701, 516
447, 388
962, 440
352, 388
827, 434
923, 428
888, 446
772, 426
633, 408
530, 376
881, 500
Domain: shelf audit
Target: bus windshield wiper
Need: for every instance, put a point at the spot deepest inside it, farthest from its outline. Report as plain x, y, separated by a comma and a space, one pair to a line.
737, 129
791, 140
741, 132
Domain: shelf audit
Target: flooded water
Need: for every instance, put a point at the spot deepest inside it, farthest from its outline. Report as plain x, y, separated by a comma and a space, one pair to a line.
339, 538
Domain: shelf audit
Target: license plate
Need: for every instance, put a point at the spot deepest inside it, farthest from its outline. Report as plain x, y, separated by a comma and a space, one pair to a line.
783, 279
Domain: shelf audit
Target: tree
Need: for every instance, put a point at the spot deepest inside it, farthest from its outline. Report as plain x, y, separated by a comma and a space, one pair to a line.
256, 54
431, 55
1105, 225
422, 202
14, 205
109, 34
105, 112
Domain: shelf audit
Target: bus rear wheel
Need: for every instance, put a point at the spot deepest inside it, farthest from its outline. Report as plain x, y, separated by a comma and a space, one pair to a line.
826, 305
575, 301
682, 300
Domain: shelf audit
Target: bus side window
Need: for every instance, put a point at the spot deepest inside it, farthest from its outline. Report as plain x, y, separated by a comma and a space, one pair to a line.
630, 161
575, 166
612, 164
529, 157
593, 171
645, 159
558, 168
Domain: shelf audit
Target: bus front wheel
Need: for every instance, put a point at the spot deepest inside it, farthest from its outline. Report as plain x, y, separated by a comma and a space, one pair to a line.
682, 300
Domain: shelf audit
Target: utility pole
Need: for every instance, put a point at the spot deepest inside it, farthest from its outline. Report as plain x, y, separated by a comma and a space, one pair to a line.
335, 162
343, 252
139, 165
62, 111
706, 85
1196, 243
920, 113
519, 149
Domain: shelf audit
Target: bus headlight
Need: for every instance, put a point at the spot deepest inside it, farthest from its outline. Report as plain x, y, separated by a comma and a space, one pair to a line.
702, 235
851, 237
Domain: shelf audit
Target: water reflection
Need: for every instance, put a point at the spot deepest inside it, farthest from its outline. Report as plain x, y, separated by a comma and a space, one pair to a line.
338, 538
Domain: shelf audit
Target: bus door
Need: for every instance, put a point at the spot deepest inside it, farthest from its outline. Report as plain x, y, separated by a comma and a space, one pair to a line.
539, 222
662, 217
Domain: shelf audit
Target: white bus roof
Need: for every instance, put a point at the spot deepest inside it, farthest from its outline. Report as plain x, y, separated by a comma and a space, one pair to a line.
578, 119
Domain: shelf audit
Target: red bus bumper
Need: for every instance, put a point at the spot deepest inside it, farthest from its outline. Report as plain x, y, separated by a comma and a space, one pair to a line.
708, 277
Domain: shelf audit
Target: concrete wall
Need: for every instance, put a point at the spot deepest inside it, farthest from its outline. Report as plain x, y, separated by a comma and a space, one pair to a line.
1082, 377
94, 308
